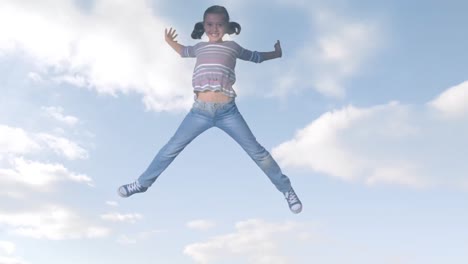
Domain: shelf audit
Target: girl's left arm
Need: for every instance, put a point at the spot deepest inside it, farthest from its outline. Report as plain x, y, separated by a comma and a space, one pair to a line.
277, 53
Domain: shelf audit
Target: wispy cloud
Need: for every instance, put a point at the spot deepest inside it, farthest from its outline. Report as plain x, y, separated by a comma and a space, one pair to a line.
14, 140
10, 260
118, 217
384, 144
34, 173
338, 50
255, 241
114, 47
63, 146
7, 247
50, 222
141, 236
57, 114
16, 144
17, 141
201, 224
112, 203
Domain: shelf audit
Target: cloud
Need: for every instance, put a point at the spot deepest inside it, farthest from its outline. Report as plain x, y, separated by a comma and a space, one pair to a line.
117, 217
57, 114
453, 103
338, 51
112, 203
129, 239
385, 144
255, 241
50, 222
7, 247
201, 224
9, 260
113, 47
16, 141
126, 240
38, 174
63, 146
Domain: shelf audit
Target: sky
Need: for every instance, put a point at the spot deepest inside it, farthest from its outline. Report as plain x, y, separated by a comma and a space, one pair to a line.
366, 112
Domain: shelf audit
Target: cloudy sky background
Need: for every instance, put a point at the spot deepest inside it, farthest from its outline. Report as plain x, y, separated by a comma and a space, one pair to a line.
367, 113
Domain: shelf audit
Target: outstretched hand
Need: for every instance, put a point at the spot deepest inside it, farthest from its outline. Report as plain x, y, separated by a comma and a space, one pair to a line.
278, 50
170, 35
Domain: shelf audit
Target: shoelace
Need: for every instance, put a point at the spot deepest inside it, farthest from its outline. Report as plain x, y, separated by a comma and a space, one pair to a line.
292, 197
133, 187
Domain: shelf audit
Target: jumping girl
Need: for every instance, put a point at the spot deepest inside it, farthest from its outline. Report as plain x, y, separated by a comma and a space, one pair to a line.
214, 105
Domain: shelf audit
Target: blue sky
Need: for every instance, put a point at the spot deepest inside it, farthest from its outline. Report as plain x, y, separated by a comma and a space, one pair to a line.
366, 112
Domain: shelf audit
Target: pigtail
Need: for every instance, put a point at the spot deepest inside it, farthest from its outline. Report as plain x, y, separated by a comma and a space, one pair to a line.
234, 27
198, 30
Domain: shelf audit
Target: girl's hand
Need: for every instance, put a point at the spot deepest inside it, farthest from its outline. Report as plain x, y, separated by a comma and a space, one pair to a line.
170, 39
278, 50
170, 36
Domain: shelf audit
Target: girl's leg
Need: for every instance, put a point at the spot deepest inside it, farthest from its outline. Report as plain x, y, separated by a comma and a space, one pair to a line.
193, 125
235, 126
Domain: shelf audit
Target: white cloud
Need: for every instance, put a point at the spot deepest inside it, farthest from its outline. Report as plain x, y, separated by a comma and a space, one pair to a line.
452, 103
134, 239
57, 114
114, 47
117, 217
255, 241
7, 247
34, 76
64, 146
9, 260
201, 224
317, 146
126, 240
400, 175
339, 49
112, 203
50, 222
385, 144
16, 141
34, 173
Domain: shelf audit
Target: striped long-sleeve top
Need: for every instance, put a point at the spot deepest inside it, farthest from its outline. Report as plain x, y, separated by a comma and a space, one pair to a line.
214, 68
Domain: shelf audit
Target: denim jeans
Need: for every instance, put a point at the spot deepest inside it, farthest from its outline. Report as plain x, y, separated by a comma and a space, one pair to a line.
225, 116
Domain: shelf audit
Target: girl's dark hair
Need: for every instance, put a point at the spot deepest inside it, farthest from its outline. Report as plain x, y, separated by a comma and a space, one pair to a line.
232, 27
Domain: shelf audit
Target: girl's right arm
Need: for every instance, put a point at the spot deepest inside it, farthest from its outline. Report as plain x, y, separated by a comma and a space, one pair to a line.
170, 39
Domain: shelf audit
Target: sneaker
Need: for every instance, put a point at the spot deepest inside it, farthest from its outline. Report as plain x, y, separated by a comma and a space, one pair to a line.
293, 201
129, 189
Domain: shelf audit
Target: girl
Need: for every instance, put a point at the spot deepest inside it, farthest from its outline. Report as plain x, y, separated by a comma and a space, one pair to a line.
214, 104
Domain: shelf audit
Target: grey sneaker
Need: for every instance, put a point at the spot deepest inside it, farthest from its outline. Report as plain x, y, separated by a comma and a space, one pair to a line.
129, 189
293, 201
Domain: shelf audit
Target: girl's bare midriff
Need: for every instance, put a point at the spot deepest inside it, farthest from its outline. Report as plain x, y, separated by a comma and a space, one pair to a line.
215, 97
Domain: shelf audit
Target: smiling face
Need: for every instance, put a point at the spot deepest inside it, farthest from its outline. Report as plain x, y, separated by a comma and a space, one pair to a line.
215, 27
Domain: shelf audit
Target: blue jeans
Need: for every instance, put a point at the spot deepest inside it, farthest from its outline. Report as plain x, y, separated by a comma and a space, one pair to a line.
225, 116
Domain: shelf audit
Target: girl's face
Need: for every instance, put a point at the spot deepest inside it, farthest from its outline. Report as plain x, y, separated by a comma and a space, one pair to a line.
215, 27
